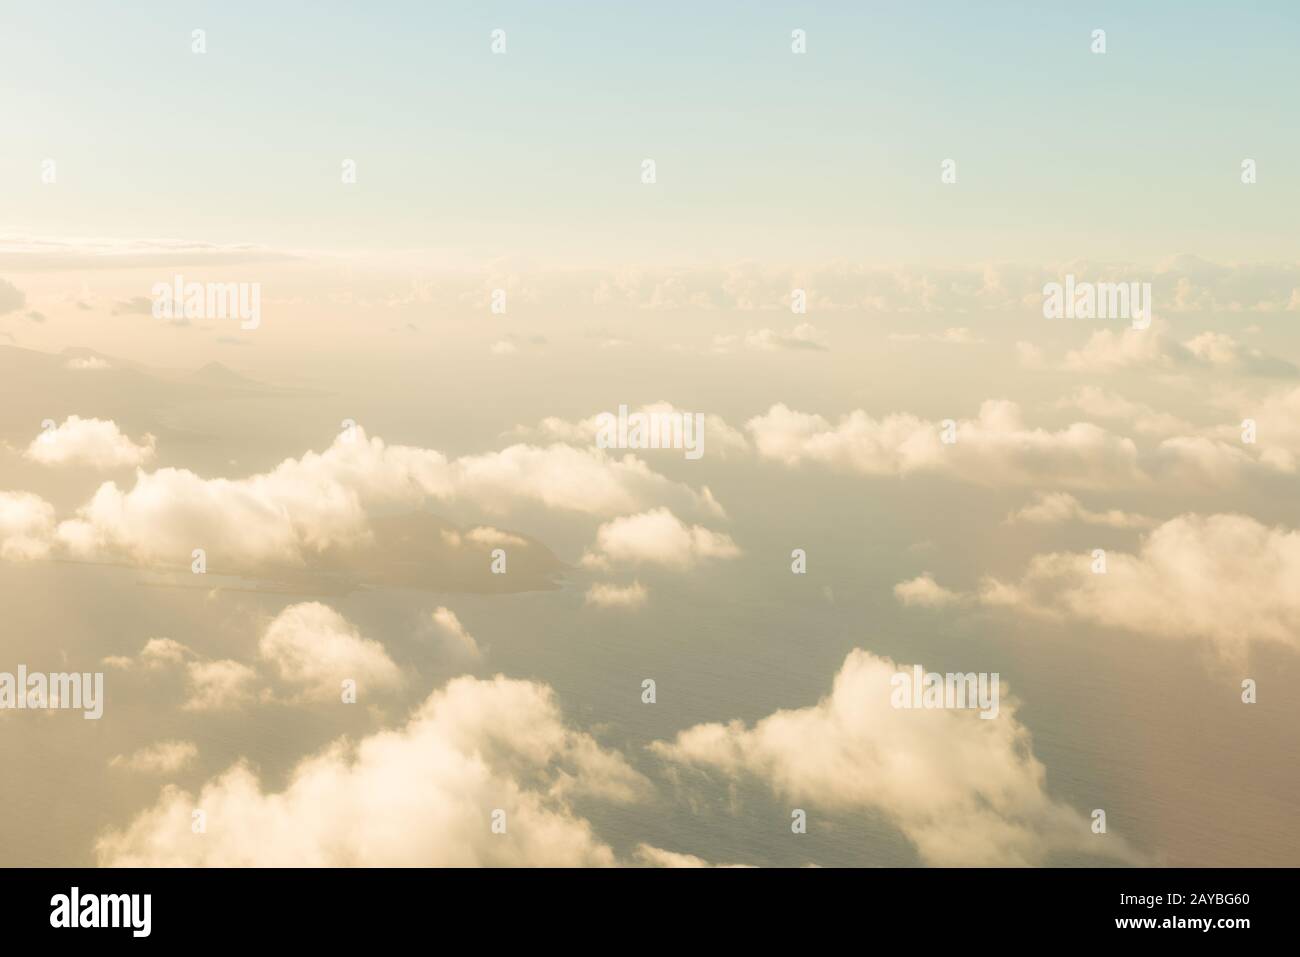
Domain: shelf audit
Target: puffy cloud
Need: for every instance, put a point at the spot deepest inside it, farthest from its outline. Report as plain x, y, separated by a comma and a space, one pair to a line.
222, 685
657, 537
452, 631
484, 535
1277, 422
994, 449
313, 649
211, 685
304, 506
1110, 350
802, 337
926, 592
96, 443
603, 595
156, 654
1057, 508
26, 526
1200, 459
165, 757
1223, 578
963, 790
1101, 404
308, 648
420, 795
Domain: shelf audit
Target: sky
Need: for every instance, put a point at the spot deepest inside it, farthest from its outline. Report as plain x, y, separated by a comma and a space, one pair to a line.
367, 587
1133, 154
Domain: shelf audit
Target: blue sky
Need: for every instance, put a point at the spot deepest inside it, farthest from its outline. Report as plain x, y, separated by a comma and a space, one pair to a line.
1061, 153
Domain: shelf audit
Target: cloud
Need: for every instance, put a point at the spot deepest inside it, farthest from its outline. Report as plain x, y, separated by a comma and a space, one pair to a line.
1199, 459
1277, 421
719, 437
165, 757
420, 795
956, 335
925, 592
115, 253
95, 443
11, 297
1183, 285
651, 856
963, 790
26, 526
223, 685
803, 337
994, 449
603, 595
1109, 350
452, 631
156, 654
86, 364
304, 506
1101, 404
657, 537
1058, 508
1226, 579
313, 649
135, 306
484, 535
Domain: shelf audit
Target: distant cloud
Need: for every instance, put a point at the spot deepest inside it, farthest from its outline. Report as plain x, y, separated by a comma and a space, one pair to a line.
30, 253
720, 438
165, 757
802, 337
1058, 508
221, 685
136, 306
11, 297
996, 448
1224, 579
957, 335
657, 537
925, 592
1101, 404
1112, 350
602, 595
